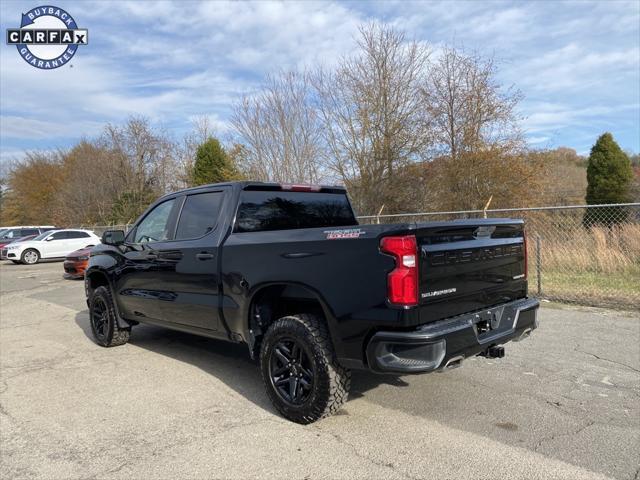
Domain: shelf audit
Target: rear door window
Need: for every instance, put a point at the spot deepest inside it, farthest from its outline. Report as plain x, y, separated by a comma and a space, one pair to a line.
76, 234
261, 210
29, 231
199, 215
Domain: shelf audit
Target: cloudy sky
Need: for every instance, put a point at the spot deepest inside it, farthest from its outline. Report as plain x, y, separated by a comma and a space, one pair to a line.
577, 63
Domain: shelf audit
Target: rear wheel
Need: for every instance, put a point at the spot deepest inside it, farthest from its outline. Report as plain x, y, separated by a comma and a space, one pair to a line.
301, 374
30, 256
104, 322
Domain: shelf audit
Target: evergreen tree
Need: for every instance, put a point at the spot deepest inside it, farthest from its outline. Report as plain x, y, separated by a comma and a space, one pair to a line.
609, 178
212, 164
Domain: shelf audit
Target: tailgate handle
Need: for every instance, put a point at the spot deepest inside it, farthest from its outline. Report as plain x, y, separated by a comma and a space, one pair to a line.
301, 254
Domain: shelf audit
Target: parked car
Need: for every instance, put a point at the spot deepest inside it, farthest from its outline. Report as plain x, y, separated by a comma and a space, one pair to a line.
287, 270
10, 234
76, 263
3, 249
51, 244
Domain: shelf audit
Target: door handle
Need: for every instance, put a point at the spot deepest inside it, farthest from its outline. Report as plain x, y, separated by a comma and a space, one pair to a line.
204, 256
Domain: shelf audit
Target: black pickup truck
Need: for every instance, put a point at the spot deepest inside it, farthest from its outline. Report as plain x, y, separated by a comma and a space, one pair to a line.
287, 270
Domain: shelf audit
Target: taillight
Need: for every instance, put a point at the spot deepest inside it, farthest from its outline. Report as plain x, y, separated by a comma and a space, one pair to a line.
402, 282
526, 255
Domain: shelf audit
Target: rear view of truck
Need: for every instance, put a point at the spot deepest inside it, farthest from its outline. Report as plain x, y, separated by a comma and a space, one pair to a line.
464, 285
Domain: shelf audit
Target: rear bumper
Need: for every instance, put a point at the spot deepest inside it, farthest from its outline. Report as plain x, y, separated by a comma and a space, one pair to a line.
446, 343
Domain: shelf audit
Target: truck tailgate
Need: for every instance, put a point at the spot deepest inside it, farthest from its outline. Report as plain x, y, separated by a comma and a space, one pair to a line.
469, 265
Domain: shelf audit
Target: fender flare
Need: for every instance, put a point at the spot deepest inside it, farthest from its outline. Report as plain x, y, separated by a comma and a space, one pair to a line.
122, 323
332, 323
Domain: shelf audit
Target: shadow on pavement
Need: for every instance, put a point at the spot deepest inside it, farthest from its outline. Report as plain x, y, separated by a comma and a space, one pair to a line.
228, 362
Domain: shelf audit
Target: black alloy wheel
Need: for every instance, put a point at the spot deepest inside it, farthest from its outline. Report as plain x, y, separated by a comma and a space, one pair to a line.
100, 319
302, 376
104, 320
291, 371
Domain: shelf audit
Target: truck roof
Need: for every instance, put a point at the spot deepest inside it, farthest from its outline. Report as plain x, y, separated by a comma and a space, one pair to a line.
255, 185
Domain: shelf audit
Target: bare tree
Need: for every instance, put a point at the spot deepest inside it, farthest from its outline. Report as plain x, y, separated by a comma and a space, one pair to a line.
280, 131
146, 156
479, 147
468, 108
374, 122
93, 180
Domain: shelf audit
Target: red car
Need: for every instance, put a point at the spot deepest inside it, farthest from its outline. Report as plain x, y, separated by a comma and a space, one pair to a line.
76, 263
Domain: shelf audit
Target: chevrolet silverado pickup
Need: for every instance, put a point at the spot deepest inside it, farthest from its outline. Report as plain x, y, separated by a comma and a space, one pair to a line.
288, 271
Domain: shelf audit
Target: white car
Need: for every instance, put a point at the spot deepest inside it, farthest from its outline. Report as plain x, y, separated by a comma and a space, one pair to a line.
51, 244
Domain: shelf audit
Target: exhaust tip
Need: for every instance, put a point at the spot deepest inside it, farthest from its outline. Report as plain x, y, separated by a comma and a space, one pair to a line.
453, 362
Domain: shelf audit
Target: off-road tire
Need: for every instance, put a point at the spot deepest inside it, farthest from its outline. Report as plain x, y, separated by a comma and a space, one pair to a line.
110, 335
28, 255
331, 381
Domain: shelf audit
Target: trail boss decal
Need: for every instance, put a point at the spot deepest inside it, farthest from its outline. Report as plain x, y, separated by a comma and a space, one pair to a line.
48, 37
346, 233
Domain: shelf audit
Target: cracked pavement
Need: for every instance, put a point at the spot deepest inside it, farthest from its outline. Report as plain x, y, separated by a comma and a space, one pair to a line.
564, 403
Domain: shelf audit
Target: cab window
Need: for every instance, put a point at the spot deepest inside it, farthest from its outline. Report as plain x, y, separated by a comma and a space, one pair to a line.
199, 215
155, 226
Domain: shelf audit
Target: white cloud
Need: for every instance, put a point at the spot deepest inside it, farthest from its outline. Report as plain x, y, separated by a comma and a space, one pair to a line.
196, 58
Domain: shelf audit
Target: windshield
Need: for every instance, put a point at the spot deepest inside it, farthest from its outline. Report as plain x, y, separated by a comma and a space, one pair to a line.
43, 235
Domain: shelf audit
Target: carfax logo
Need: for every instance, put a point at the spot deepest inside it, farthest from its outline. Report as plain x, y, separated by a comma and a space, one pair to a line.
48, 37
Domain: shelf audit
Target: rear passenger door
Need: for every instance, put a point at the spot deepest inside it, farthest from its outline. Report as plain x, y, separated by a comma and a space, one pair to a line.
195, 279
78, 239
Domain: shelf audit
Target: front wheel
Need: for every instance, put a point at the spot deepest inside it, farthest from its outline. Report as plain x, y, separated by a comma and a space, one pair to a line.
30, 257
300, 371
104, 323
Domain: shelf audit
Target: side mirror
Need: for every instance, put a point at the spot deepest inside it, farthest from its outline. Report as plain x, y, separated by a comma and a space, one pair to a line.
48, 239
113, 237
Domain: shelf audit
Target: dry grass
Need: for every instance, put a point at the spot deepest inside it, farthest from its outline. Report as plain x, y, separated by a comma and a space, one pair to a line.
592, 266
599, 249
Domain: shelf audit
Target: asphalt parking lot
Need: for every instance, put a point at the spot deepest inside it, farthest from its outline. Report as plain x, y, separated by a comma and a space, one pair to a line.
563, 404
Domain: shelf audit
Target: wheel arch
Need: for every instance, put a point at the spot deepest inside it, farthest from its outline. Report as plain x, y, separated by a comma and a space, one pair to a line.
96, 277
270, 301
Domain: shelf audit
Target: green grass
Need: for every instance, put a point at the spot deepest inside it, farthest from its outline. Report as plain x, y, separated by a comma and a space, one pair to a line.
621, 289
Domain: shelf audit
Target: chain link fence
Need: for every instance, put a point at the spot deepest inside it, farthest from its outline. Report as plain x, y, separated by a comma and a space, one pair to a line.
588, 255
100, 229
